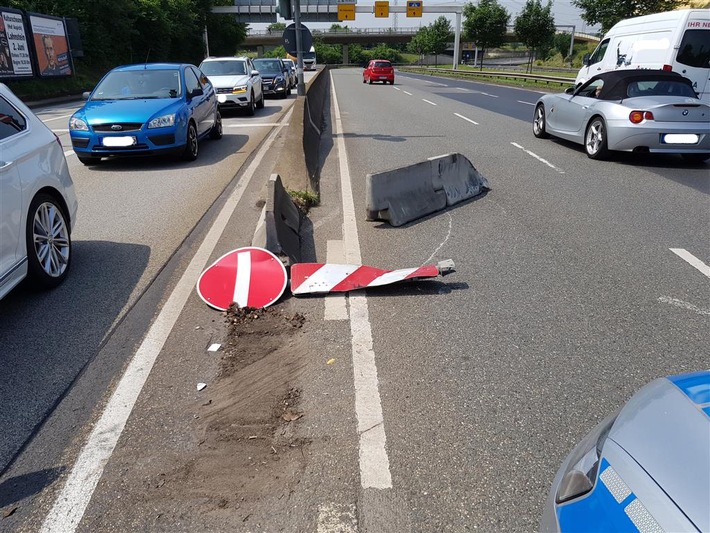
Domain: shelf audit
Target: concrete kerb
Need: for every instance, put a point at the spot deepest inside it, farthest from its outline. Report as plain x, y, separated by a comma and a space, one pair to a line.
407, 193
279, 226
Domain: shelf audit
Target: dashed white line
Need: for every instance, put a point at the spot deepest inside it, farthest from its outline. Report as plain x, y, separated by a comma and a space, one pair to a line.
405, 92
397, 89
464, 89
428, 101
684, 305
257, 125
61, 130
526, 103
374, 462
692, 260
538, 158
467, 119
439, 84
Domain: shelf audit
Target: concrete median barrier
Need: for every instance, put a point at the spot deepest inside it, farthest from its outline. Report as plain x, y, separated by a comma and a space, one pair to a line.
278, 229
407, 193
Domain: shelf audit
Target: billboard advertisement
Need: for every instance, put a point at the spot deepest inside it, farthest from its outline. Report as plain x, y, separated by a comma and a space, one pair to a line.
50, 40
15, 55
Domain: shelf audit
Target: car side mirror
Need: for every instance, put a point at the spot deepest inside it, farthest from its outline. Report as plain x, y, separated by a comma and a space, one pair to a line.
196, 92
569, 90
585, 60
86, 95
254, 73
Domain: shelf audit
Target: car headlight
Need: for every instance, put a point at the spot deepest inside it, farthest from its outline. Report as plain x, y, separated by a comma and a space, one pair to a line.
162, 122
279, 79
76, 124
583, 465
240, 88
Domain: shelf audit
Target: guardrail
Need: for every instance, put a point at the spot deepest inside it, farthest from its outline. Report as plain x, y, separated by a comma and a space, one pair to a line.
505, 75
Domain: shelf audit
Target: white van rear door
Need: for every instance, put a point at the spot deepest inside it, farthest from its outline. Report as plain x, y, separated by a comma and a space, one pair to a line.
693, 58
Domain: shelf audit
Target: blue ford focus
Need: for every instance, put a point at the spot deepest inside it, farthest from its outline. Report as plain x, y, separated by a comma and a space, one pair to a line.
147, 109
645, 468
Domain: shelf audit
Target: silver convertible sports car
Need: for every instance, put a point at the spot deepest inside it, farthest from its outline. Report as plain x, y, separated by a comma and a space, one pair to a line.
630, 111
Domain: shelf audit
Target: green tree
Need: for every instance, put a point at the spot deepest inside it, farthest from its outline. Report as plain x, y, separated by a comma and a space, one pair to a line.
439, 36
420, 44
485, 24
224, 32
609, 12
561, 43
279, 51
356, 55
276, 27
382, 51
329, 54
535, 27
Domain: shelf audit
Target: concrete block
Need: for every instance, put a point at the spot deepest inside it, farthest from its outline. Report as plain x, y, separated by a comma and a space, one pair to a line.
408, 193
279, 226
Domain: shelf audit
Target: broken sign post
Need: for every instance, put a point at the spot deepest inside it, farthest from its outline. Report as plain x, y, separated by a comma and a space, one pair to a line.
313, 278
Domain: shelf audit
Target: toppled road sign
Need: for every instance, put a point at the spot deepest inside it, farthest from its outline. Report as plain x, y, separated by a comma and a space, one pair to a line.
313, 278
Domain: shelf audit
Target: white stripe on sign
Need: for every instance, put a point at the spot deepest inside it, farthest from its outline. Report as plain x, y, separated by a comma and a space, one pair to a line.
692, 260
71, 502
374, 463
335, 307
241, 286
392, 277
328, 276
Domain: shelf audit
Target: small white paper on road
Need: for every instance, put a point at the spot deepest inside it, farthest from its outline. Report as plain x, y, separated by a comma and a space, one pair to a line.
214, 348
201, 386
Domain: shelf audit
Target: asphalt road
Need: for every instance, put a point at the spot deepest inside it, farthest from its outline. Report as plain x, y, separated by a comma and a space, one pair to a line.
566, 297
565, 300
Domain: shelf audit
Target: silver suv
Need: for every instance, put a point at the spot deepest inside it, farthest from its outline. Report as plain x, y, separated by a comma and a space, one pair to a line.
236, 82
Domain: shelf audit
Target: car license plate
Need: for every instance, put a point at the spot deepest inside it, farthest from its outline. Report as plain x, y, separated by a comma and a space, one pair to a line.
221, 98
383, 77
115, 142
680, 138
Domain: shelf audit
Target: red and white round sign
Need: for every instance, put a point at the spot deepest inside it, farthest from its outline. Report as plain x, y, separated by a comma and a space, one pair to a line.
249, 277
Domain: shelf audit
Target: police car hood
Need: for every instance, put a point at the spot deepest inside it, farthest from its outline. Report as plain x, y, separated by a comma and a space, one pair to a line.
665, 427
227, 82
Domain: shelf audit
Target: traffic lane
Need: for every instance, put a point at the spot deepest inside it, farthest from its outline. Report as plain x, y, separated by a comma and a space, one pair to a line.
537, 309
133, 214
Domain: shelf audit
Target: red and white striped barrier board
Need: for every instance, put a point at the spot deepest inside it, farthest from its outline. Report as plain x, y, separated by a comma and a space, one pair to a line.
311, 278
249, 277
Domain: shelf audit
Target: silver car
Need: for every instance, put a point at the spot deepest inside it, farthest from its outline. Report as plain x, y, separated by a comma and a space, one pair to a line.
645, 468
37, 200
236, 82
630, 111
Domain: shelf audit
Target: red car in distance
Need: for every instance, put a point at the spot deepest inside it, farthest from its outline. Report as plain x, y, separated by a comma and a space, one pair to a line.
378, 70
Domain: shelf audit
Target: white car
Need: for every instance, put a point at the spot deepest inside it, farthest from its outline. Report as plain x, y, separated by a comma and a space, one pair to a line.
37, 201
236, 81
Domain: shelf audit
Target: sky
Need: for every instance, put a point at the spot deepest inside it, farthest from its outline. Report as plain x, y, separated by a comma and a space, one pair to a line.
563, 10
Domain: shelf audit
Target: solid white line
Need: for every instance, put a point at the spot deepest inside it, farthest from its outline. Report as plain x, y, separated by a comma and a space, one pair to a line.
335, 305
405, 92
538, 158
72, 501
467, 119
241, 285
333, 518
439, 84
68, 153
374, 462
690, 258
464, 89
61, 131
684, 305
526, 103
428, 102
258, 124
54, 118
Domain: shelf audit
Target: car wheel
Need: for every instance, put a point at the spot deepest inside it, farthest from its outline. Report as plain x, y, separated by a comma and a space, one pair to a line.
48, 241
696, 158
539, 122
250, 106
216, 132
191, 146
369, 81
364, 80
260, 103
88, 160
288, 92
595, 139
284, 95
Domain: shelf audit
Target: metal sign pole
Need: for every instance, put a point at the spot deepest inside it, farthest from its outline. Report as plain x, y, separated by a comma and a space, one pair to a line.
301, 89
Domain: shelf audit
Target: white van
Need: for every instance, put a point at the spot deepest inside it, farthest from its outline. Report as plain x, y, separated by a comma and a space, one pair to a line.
674, 40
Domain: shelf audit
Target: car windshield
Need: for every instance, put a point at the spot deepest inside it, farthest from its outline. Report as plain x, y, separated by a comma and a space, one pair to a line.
138, 84
268, 65
224, 68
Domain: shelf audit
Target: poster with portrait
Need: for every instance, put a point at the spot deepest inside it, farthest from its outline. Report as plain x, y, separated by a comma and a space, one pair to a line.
15, 58
51, 44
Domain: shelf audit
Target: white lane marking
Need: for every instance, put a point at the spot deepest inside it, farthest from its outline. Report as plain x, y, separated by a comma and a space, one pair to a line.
68, 153
405, 92
241, 285
467, 119
439, 84
684, 305
374, 462
428, 102
61, 131
526, 103
334, 518
258, 124
464, 89
446, 239
690, 258
335, 304
69, 507
538, 158
55, 118
491, 95
214, 347
397, 89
